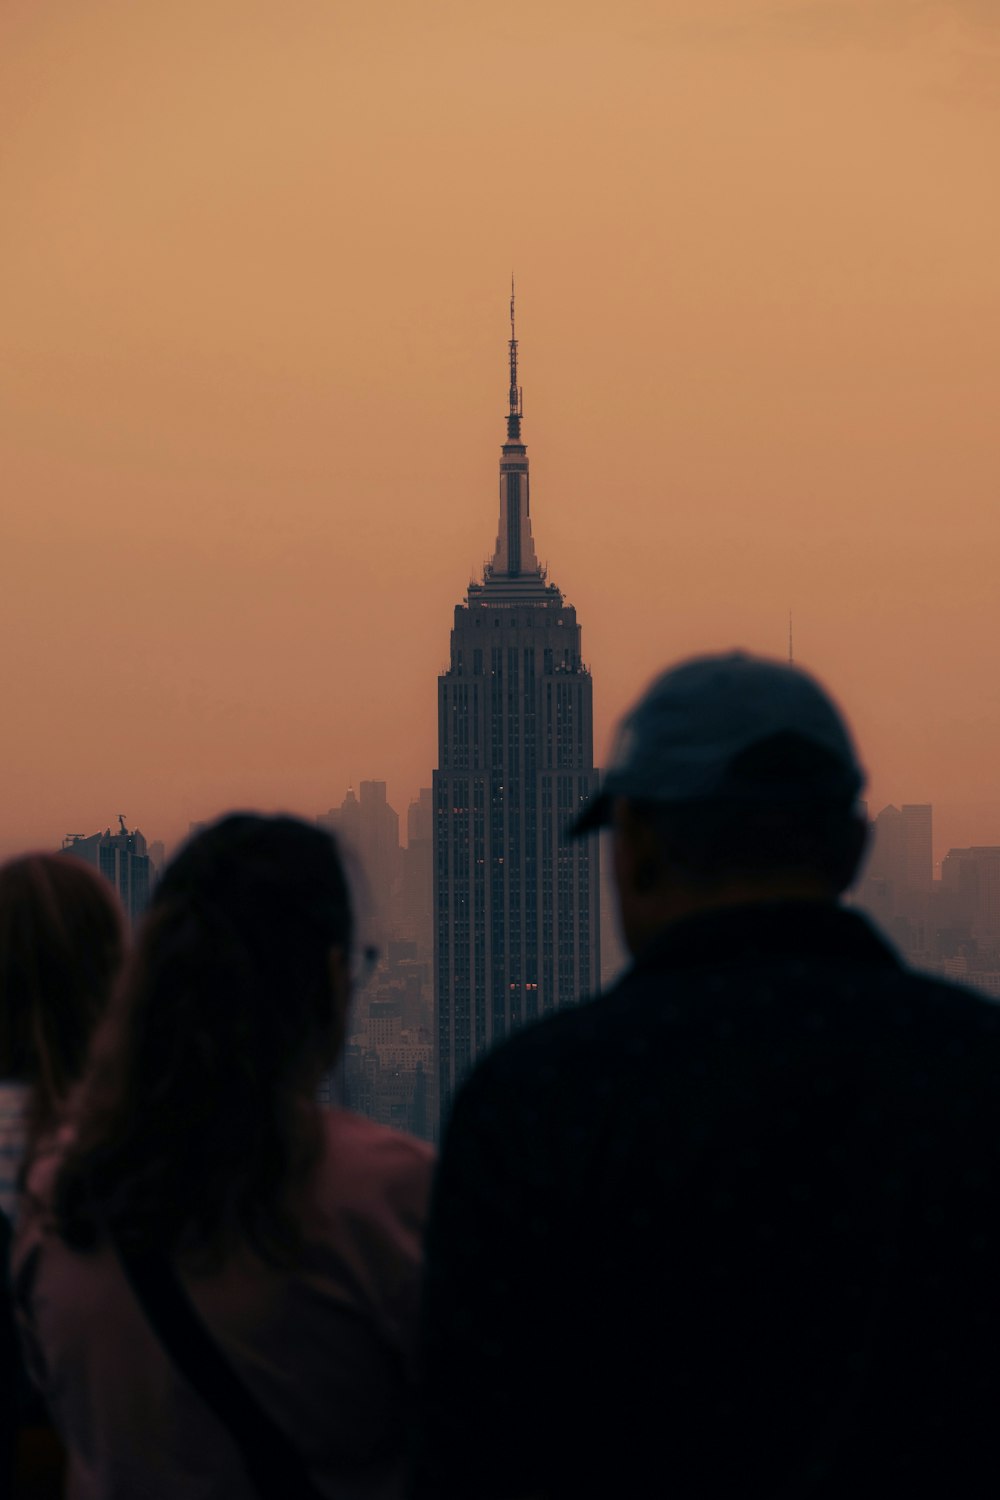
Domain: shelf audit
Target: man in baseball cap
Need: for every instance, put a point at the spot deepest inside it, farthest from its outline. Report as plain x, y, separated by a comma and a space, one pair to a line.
732, 1228
734, 728
734, 778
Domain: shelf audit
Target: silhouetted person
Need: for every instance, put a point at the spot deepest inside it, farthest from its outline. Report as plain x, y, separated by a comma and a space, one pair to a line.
216, 1279
731, 1230
61, 945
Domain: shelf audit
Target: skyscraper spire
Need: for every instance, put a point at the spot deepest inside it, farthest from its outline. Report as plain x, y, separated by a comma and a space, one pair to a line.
514, 557
516, 906
515, 411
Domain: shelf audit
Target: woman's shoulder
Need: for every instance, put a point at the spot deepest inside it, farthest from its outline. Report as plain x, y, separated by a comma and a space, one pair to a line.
372, 1171
361, 1150
364, 1135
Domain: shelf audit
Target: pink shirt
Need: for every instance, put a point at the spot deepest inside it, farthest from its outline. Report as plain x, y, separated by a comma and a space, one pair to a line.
326, 1348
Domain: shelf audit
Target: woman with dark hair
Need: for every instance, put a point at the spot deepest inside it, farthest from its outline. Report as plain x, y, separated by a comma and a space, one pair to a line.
217, 1279
61, 944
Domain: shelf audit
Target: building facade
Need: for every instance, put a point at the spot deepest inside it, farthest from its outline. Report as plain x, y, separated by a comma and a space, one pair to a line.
122, 858
897, 887
387, 1072
970, 881
368, 831
516, 902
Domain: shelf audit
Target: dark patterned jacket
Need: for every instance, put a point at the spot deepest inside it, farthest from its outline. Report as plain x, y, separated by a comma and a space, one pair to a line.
731, 1230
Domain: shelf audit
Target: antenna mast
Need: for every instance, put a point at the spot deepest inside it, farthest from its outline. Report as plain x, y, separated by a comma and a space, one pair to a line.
516, 403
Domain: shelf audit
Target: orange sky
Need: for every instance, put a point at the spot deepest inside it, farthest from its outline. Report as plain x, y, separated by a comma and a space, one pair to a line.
254, 261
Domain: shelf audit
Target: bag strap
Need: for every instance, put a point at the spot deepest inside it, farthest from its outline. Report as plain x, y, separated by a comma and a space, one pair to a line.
273, 1466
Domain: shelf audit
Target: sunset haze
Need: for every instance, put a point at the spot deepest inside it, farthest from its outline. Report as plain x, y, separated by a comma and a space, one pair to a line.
254, 279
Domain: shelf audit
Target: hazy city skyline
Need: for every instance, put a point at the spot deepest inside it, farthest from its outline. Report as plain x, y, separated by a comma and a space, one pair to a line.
253, 277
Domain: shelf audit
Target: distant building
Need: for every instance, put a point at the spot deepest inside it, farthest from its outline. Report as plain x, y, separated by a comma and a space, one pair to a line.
368, 830
950, 926
897, 887
388, 1065
902, 850
516, 902
917, 831
970, 887
387, 1071
416, 895
122, 858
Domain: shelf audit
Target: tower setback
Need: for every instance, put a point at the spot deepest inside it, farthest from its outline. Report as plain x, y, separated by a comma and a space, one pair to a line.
516, 902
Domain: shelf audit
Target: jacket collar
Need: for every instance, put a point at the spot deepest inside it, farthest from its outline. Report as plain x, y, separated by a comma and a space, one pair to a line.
769, 932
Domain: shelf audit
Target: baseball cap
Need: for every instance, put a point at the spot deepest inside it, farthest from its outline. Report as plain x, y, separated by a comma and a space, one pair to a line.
731, 727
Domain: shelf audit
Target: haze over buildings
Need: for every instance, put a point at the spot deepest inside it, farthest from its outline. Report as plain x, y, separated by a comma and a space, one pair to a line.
387, 1068
949, 925
368, 830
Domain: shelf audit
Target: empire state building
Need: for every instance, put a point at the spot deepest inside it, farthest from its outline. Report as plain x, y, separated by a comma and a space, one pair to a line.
516, 914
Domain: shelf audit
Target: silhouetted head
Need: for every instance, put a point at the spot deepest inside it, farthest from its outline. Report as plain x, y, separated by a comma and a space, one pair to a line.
734, 779
61, 945
253, 918
201, 1125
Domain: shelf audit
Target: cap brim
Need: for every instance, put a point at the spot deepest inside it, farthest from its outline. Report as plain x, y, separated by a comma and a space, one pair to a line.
596, 814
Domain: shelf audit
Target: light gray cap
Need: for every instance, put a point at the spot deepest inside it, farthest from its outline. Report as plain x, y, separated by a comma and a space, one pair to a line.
732, 727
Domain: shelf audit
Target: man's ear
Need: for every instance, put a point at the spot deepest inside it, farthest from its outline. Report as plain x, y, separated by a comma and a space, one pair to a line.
638, 854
